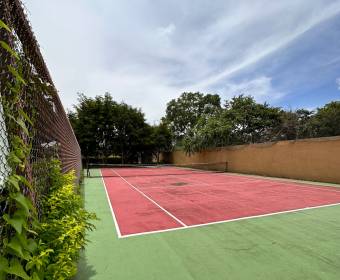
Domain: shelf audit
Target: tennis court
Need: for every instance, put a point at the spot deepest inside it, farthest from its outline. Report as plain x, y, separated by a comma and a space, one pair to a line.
236, 226
152, 199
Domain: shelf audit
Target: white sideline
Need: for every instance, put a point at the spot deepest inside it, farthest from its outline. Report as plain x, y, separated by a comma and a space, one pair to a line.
112, 212
232, 220
150, 199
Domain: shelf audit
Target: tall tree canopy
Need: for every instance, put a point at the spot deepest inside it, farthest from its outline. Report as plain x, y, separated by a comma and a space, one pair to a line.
105, 128
251, 121
326, 121
184, 112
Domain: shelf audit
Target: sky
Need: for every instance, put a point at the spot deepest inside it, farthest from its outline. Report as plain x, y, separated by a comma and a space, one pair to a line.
147, 52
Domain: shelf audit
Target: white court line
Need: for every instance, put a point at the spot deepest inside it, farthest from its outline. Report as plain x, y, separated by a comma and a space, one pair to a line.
231, 220
150, 199
112, 212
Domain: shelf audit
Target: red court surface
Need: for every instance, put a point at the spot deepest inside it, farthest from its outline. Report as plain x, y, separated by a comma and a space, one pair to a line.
150, 200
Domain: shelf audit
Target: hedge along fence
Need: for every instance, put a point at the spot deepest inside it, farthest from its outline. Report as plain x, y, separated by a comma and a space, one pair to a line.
316, 159
42, 222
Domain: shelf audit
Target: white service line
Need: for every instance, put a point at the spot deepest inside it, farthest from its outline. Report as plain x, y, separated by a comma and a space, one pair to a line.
232, 220
150, 199
112, 212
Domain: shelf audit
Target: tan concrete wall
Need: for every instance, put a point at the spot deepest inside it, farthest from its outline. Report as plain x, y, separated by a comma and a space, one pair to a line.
309, 159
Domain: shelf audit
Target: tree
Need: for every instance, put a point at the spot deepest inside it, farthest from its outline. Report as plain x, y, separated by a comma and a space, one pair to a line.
183, 113
241, 121
209, 132
106, 128
326, 121
162, 140
305, 129
252, 122
289, 125
296, 124
85, 125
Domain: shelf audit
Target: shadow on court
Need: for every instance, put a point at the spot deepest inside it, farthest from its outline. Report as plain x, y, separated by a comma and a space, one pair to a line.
85, 270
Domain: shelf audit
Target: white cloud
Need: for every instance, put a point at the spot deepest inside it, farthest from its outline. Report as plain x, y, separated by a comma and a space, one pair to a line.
290, 29
167, 30
337, 81
260, 88
147, 54
142, 91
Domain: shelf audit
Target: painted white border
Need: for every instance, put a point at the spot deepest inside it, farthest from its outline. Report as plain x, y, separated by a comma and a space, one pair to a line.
112, 212
231, 220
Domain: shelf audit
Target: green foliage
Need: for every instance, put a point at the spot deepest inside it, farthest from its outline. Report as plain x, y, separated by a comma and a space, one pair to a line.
243, 120
296, 125
161, 139
105, 128
214, 131
63, 226
4, 25
184, 112
18, 225
326, 121
252, 122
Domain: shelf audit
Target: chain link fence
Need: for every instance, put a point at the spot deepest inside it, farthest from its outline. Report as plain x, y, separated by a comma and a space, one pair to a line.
52, 134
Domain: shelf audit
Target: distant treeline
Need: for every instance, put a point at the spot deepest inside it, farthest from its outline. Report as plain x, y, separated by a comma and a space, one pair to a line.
116, 132
199, 121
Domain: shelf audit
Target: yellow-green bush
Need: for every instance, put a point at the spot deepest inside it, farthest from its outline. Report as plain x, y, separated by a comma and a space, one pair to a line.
63, 225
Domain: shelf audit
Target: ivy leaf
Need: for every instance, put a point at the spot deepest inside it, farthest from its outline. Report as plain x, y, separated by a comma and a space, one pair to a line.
13, 181
4, 25
32, 245
16, 247
3, 264
25, 116
22, 201
26, 244
35, 276
17, 269
13, 158
16, 74
15, 222
22, 124
25, 182
9, 49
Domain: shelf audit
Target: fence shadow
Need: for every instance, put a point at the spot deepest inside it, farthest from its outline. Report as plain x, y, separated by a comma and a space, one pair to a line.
85, 270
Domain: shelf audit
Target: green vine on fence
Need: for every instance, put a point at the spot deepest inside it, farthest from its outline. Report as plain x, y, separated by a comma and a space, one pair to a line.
32, 248
20, 221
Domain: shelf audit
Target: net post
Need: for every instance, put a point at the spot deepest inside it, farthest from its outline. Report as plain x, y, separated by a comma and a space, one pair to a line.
226, 166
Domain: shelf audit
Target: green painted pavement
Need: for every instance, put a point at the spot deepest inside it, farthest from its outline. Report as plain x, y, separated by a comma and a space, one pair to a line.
303, 245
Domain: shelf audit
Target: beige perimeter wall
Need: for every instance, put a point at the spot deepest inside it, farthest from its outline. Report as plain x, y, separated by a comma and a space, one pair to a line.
309, 159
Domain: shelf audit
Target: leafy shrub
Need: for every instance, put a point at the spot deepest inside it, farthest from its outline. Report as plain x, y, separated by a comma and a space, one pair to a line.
63, 225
